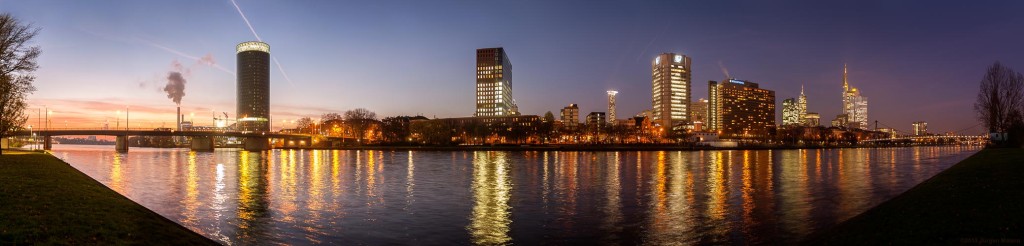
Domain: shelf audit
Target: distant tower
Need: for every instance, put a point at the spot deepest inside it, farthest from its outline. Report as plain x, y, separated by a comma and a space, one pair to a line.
253, 86
494, 84
855, 106
670, 89
611, 107
801, 106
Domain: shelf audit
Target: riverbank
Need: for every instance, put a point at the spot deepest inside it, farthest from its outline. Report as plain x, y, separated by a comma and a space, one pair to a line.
46, 201
976, 201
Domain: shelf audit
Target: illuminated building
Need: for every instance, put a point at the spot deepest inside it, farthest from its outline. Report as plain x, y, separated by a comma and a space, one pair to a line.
253, 86
670, 89
812, 119
596, 119
801, 107
855, 106
740, 108
571, 116
494, 84
920, 128
889, 131
611, 107
699, 114
840, 120
790, 113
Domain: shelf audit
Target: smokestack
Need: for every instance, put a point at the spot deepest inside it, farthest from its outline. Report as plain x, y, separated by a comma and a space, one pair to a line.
179, 118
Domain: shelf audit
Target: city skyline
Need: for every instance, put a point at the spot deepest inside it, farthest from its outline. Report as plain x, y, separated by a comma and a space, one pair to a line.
136, 56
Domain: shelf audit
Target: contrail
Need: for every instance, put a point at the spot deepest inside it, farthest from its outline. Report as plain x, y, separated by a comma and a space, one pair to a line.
203, 60
246, 19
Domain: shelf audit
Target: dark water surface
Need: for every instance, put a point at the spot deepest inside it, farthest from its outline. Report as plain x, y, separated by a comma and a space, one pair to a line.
531, 197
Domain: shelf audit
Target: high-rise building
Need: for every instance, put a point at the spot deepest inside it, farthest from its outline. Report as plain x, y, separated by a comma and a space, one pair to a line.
699, 113
571, 116
611, 107
494, 84
855, 106
920, 128
596, 119
740, 108
253, 77
790, 112
670, 89
801, 106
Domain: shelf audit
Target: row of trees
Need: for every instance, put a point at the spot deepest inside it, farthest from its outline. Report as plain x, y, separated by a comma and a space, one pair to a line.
1000, 103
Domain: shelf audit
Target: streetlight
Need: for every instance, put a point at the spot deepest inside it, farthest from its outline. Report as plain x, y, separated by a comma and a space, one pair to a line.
32, 136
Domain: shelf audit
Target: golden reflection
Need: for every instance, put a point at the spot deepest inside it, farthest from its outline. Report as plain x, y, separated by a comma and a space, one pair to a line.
659, 188
117, 175
371, 176
288, 184
716, 187
492, 189
191, 201
315, 198
335, 173
410, 181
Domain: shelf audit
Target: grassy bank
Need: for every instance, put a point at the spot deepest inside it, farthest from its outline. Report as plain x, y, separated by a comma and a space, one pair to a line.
977, 201
44, 200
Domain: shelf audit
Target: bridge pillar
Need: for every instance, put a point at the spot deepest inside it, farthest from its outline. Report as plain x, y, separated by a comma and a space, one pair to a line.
204, 144
122, 144
47, 142
257, 144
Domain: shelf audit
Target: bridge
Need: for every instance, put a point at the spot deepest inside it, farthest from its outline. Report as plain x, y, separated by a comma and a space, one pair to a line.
930, 138
202, 140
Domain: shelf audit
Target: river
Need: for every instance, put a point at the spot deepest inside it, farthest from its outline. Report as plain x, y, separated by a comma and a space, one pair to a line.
510, 197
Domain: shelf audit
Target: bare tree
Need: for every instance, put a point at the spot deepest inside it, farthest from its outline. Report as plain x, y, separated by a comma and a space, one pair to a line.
330, 116
1001, 96
17, 62
360, 119
304, 124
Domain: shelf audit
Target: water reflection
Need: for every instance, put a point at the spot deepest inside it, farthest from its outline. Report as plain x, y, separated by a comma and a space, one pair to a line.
491, 193
444, 198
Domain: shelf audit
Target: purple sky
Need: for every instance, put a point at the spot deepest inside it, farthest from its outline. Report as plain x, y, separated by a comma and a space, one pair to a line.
914, 61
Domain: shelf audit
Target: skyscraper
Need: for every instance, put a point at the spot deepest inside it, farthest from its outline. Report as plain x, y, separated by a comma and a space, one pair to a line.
920, 128
740, 108
699, 114
494, 84
253, 77
855, 106
790, 112
801, 106
670, 89
571, 116
611, 107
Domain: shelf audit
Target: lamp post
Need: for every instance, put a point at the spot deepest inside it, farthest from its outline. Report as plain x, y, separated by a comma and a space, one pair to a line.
32, 136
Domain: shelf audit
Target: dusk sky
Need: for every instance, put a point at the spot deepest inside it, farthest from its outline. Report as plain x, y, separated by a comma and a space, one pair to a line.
915, 61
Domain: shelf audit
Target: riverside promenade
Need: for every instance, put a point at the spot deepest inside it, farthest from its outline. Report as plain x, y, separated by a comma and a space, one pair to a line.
43, 200
977, 201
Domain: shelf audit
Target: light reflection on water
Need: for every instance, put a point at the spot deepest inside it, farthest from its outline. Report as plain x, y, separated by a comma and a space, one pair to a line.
486, 197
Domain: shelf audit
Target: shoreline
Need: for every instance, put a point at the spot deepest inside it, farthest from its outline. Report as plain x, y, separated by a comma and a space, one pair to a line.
48, 201
976, 201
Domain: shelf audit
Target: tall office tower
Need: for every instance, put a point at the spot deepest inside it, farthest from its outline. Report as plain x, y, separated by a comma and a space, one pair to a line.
920, 128
791, 112
699, 111
855, 106
253, 77
670, 89
739, 108
801, 106
494, 84
611, 107
571, 116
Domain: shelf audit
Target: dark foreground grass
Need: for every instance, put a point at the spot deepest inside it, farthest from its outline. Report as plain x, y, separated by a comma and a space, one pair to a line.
977, 201
46, 201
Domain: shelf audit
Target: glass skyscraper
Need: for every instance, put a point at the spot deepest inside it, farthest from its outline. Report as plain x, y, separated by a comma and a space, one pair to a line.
494, 84
253, 86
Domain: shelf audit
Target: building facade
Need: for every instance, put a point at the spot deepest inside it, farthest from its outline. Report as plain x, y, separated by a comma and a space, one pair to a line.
920, 128
812, 119
699, 114
253, 77
790, 113
494, 84
670, 89
570, 116
855, 106
740, 108
611, 107
801, 107
596, 119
